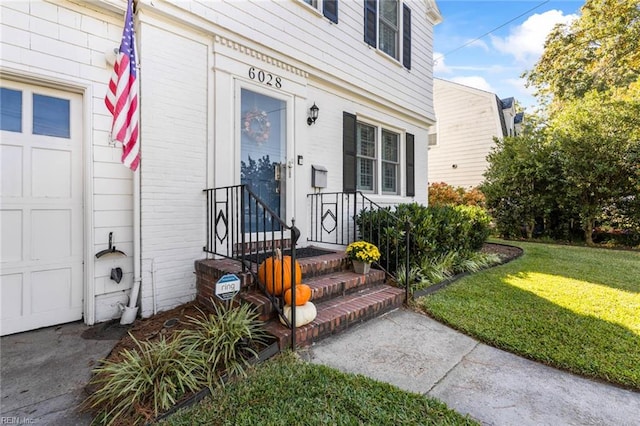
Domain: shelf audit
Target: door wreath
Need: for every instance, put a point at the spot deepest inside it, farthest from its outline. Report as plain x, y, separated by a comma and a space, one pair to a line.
256, 125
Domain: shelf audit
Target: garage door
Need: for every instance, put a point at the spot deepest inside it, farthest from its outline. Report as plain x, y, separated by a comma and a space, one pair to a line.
41, 207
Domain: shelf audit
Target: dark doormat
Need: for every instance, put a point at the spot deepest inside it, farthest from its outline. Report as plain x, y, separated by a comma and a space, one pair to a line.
110, 330
300, 253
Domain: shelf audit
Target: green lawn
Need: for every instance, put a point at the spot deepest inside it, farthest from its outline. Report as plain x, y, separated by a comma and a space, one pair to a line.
576, 308
288, 391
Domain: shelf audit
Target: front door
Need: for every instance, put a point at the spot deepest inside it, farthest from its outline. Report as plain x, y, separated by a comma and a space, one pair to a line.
263, 153
41, 214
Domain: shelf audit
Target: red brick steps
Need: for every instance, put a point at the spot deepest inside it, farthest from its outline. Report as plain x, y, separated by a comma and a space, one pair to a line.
337, 314
342, 297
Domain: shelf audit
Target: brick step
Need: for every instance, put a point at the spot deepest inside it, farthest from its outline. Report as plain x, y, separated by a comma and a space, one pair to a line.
210, 270
324, 287
335, 315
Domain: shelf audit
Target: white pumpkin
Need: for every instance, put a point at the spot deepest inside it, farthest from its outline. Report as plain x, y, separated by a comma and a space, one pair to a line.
304, 314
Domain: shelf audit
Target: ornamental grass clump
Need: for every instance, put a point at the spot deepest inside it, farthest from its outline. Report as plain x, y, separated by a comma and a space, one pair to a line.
363, 251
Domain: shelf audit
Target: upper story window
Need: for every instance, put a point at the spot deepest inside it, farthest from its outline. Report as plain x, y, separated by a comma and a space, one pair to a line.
329, 8
389, 30
388, 27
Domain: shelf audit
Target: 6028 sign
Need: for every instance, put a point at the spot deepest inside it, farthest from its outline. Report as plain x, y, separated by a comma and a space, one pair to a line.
265, 77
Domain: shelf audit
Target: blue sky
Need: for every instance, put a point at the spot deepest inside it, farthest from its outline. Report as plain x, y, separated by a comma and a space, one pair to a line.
496, 61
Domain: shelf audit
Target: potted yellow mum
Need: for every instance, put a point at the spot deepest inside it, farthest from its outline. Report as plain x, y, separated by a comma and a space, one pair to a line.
362, 254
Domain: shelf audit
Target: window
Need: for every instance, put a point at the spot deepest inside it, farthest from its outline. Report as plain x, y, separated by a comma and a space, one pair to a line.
10, 110
51, 116
329, 8
390, 161
382, 25
366, 162
372, 161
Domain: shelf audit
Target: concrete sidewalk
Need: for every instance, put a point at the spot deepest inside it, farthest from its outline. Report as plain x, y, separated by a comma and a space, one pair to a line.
43, 374
421, 355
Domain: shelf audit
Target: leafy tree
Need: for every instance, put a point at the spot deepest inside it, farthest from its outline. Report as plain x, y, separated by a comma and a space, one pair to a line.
597, 138
598, 51
521, 181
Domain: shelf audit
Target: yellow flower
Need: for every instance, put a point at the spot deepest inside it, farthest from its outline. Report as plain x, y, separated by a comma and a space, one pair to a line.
363, 251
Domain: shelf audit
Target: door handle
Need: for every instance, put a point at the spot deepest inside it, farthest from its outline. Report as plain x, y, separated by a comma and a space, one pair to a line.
277, 173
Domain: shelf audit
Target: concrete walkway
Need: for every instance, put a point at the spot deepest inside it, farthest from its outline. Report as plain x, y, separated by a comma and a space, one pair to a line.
43, 374
420, 355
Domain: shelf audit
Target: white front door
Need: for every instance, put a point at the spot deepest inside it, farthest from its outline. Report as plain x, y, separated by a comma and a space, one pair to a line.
41, 207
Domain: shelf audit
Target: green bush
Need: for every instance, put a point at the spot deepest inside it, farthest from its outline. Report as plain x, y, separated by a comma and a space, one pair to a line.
435, 231
149, 380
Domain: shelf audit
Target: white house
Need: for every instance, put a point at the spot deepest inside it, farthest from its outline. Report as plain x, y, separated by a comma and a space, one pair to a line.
219, 82
468, 120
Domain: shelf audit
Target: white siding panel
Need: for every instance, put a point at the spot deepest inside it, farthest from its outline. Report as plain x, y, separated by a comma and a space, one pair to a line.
173, 170
331, 51
468, 120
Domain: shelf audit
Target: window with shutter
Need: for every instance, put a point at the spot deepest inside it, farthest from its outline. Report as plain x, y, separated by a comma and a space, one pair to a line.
329, 8
372, 159
382, 25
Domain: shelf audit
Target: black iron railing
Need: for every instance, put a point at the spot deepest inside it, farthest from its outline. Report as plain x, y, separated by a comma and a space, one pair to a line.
242, 227
334, 220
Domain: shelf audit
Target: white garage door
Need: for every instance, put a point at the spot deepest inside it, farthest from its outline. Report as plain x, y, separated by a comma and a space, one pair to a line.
41, 251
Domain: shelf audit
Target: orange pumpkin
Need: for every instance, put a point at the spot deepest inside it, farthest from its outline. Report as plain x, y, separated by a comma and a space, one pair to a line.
303, 295
275, 273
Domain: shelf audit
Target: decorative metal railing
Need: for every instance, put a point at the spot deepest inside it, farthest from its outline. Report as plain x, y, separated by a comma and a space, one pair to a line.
336, 218
242, 227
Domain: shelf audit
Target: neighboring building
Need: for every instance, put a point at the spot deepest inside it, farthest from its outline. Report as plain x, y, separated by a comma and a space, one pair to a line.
468, 120
220, 83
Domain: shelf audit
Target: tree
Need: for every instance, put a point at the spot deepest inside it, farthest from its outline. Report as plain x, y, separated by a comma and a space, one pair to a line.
597, 138
598, 51
521, 181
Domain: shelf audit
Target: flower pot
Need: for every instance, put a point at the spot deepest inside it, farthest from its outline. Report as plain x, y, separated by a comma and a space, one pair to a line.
361, 267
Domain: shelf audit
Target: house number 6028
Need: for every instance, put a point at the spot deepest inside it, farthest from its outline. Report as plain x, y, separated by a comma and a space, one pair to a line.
265, 77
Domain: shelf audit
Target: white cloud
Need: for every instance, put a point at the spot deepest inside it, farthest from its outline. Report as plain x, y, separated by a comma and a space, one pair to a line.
526, 42
481, 44
439, 67
474, 81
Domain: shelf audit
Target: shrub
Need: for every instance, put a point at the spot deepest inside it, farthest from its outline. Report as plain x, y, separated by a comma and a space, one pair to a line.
435, 231
149, 380
221, 341
155, 375
443, 194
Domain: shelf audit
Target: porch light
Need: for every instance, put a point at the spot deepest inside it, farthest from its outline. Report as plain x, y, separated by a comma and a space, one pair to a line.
313, 114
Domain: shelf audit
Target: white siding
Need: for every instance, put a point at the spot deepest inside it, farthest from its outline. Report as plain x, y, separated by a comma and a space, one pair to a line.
174, 156
336, 52
468, 120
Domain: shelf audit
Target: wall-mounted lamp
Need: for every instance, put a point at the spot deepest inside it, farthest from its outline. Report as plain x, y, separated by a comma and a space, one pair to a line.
313, 114
111, 54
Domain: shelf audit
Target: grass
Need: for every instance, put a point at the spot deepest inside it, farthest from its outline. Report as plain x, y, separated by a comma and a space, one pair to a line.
288, 391
575, 308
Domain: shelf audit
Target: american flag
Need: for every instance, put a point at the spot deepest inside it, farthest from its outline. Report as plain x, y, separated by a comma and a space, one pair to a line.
122, 96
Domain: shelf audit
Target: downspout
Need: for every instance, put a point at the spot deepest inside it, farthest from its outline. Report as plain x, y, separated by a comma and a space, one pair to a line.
129, 313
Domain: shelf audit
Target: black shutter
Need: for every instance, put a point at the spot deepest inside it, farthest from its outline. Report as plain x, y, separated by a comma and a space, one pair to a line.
406, 37
411, 170
370, 21
348, 152
330, 10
